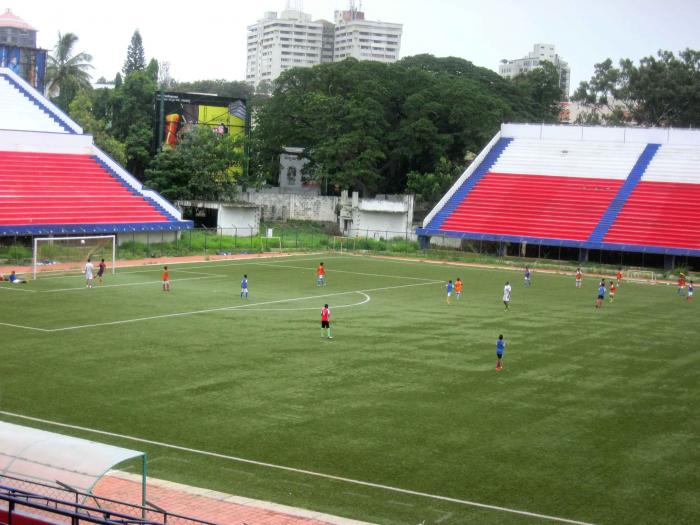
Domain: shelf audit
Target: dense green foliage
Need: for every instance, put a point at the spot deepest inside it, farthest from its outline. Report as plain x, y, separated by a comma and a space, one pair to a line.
204, 165
67, 72
593, 419
221, 87
366, 125
660, 91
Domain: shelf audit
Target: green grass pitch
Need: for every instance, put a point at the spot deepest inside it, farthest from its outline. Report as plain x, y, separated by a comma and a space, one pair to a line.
593, 419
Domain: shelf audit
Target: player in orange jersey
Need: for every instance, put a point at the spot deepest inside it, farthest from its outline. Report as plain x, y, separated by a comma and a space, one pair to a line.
613, 289
579, 277
321, 275
619, 276
458, 288
166, 279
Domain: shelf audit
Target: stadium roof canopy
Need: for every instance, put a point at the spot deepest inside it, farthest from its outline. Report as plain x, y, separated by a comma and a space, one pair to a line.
39, 456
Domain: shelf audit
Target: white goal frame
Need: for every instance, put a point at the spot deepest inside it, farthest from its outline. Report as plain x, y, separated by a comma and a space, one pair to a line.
340, 240
35, 261
264, 242
642, 276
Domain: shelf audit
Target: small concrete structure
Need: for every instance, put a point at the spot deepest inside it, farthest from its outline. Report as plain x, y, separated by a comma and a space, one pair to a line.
292, 164
388, 214
231, 216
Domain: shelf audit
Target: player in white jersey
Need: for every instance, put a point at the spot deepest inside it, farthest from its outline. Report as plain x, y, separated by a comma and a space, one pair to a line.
89, 271
506, 294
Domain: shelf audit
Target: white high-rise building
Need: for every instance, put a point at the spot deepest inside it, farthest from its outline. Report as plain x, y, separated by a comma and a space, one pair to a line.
292, 39
539, 54
278, 43
365, 39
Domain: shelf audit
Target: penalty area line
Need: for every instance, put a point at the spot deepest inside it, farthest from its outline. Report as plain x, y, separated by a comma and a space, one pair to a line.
303, 471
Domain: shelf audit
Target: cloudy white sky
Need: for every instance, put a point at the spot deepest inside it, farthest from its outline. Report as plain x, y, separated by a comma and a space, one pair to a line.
206, 38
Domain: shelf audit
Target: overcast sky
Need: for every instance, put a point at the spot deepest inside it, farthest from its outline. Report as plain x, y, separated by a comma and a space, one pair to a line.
207, 38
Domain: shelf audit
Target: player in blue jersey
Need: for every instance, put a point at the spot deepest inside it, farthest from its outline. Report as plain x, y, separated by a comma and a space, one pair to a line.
244, 287
500, 348
528, 282
449, 286
689, 297
601, 295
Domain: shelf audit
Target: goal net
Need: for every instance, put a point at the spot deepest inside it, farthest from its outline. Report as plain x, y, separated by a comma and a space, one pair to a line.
69, 254
344, 243
641, 276
271, 243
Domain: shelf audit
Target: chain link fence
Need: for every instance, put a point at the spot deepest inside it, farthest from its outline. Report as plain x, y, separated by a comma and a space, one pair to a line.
276, 237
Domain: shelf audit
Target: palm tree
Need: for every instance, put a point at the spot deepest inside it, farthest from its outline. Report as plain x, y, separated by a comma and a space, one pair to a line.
66, 72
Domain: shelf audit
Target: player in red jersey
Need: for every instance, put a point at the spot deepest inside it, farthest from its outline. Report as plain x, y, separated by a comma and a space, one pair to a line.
321, 275
579, 277
681, 284
619, 276
326, 320
166, 279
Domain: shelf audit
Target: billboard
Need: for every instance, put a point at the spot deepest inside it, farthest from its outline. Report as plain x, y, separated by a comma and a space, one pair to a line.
176, 113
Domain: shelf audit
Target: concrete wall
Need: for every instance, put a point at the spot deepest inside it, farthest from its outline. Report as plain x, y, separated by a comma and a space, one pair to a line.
602, 133
385, 225
232, 217
278, 206
147, 237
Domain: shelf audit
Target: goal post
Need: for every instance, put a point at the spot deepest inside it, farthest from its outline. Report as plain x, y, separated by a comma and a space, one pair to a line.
270, 243
646, 276
69, 254
341, 243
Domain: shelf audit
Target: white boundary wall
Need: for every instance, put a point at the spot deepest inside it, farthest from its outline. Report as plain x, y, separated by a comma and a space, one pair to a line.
688, 137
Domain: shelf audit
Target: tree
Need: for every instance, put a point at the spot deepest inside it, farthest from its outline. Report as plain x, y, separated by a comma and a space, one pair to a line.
82, 110
366, 125
204, 166
132, 120
135, 55
541, 87
67, 71
221, 87
660, 91
430, 187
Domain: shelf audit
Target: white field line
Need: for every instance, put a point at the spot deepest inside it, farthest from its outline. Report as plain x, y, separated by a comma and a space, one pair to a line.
220, 309
303, 471
16, 289
346, 271
25, 327
335, 307
97, 287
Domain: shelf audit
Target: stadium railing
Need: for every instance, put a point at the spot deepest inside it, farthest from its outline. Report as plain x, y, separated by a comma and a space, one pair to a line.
49, 503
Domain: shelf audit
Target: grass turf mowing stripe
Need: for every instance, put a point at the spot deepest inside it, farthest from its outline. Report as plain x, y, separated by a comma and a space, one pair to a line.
303, 471
220, 309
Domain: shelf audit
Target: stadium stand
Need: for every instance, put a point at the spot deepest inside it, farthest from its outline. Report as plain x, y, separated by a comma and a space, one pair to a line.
592, 188
54, 180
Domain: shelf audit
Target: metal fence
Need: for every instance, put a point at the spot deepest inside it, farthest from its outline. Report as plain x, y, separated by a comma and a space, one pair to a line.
299, 237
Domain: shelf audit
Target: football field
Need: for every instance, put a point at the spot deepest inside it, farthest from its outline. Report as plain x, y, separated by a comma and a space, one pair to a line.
401, 418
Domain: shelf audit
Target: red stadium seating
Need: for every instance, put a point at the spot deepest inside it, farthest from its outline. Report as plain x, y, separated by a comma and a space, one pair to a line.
543, 206
659, 214
50, 188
